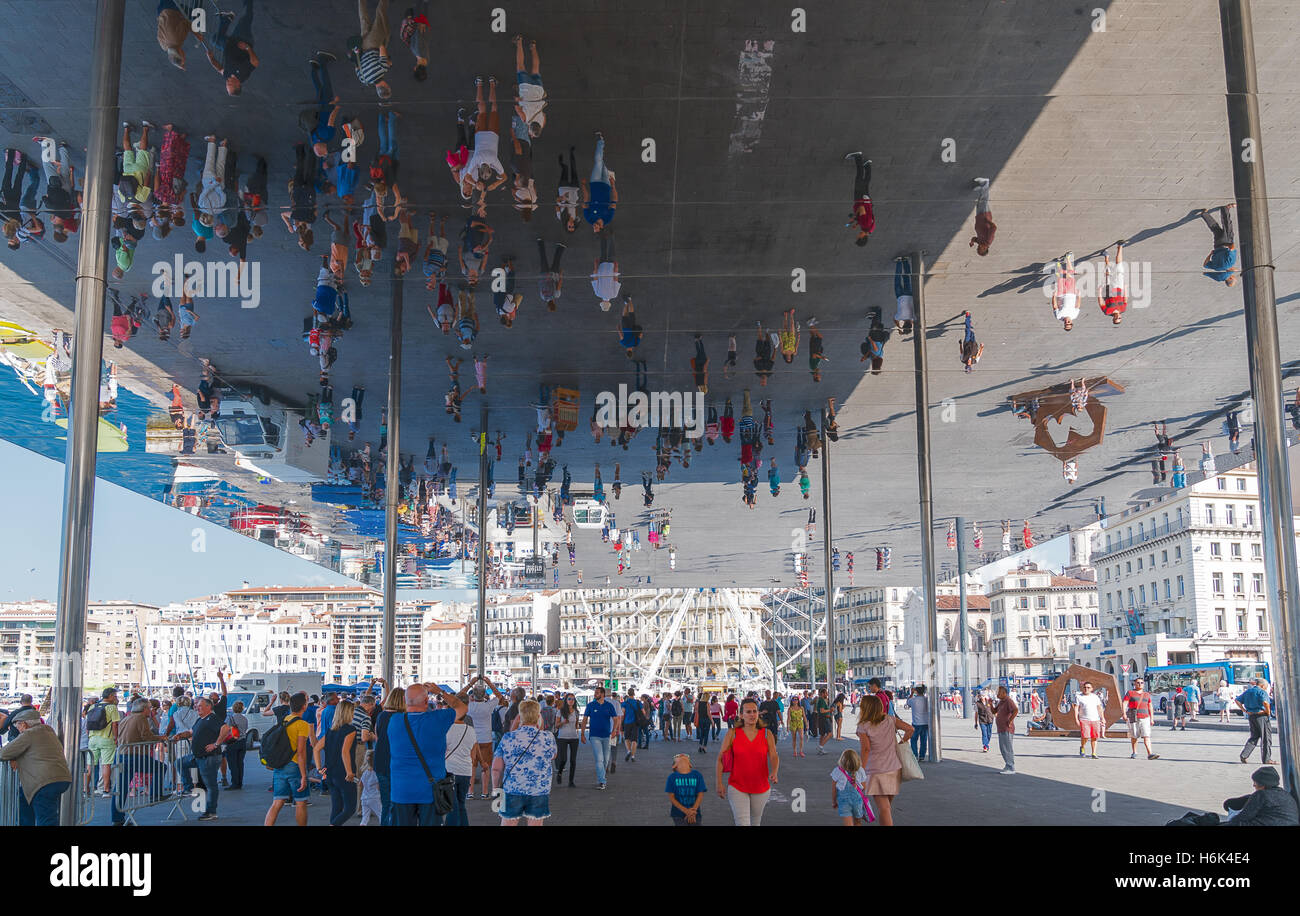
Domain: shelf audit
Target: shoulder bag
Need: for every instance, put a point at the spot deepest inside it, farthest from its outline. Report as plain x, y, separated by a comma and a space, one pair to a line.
444, 790
910, 768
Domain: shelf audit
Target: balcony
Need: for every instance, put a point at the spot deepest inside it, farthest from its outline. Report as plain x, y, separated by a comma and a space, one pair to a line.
1123, 543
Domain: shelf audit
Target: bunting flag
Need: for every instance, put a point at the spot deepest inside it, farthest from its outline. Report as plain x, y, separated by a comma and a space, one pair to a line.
979, 537
835, 559
952, 536
1006, 536
889, 553
803, 576
849, 557
880, 558
1028, 536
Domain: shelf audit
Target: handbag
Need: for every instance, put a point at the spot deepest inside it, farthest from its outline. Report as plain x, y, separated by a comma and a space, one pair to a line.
444, 790
910, 768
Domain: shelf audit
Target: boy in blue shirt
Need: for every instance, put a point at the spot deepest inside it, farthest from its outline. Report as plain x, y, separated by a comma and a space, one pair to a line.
685, 788
1221, 263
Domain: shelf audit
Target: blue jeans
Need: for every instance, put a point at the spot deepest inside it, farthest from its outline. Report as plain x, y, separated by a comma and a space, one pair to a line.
415, 815
643, 737
44, 808
243, 30
969, 333
921, 740
986, 733
385, 799
600, 749
458, 816
388, 134
598, 170
902, 278
209, 768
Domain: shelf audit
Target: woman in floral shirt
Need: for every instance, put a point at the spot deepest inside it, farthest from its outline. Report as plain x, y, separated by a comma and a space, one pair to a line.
524, 768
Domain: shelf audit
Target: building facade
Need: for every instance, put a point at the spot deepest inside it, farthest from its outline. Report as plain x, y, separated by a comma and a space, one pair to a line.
1038, 617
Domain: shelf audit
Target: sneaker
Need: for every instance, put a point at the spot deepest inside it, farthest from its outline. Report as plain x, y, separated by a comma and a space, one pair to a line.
812, 322
1243, 759
821, 752
627, 756
1006, 771
1153, 756
600, 785
1080, 752
851, 155
208, 816
1134, 756
1095, 757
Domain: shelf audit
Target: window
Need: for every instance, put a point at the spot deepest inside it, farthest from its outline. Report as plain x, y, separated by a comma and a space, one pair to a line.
1164, 557
1023, 602
1216, 583
1209, 513
1234, 550
1130, 597
1110, 602
1167, 593
1128, 568
1040, 601
1142, 594
1178, 553
1044, 622
1218, 621
1223, 484
1151, 560
1060, 622
1216, 549
1241, 622
1024, 622
1092, 621
1024, 647
1024, 583
1238, 583
1241, 484
1261, 623
1257, 584
1250, 516
1078, 621
1139, 564
1256, 551
1229, 514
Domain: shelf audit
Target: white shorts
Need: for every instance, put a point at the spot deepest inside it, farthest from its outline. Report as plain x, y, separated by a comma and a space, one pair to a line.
1140, 728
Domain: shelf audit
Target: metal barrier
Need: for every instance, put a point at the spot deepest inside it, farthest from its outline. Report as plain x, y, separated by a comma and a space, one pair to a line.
10, 787
145, 774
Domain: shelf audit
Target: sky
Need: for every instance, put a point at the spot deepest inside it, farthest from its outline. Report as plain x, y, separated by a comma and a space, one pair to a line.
142, 551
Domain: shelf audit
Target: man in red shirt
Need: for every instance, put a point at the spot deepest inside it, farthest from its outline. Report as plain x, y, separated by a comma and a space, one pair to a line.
1111, 295
863, 216
1137, 710
984, 225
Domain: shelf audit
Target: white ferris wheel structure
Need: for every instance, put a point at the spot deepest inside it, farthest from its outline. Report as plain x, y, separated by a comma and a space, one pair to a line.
643, 628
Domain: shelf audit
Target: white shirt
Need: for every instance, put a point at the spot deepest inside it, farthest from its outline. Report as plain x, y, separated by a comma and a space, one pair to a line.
531, 102
1090, 706
605, 282
906, 311
842, 781
460, 739
481, 712
1069, 307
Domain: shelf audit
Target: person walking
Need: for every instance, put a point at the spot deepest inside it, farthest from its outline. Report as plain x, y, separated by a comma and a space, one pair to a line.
1090, 715
550, 282
173, 31
919, 704
599, 192
755, 764
1112, 297
715, 716
524, 769
878, 744
334, 756
1178, 709
905, 308
703, 723
101, 730
530, 95
1221, 263
412, 30
566, 737
1138, 711
796, 723
631, 707
43, 775
873, 346
599, 716
822, 712
1004, 714
370, 56
1065, 292
985, 228
1224, 695
484, 171
238, 60
289, 782
1254, 703
971, 349
863, 217
605, 276
237, 746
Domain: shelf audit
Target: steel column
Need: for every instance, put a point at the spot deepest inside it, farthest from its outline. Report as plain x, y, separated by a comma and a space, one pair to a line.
83, 422
827, 547
392, 476
929, 583
482, 540
961, 621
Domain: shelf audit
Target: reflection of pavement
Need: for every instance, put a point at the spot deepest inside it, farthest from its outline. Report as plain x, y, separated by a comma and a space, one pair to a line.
1197, 770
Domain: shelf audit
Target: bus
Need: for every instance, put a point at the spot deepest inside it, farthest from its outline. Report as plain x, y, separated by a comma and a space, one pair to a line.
1164, 680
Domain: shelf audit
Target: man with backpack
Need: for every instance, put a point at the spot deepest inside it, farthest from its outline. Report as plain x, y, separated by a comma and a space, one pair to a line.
631, 724
285, 751
101, 728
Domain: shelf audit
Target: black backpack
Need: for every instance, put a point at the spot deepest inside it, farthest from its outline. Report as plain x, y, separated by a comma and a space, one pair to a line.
276, 749
677, 708
97, 718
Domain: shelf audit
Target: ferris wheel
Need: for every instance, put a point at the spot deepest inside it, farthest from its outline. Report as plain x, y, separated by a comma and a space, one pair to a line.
749, 636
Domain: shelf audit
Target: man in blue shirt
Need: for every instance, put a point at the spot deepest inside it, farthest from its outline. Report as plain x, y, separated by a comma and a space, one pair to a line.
1193, 692
1220, 264
1254, 703
631, 706
414, 767
599, 715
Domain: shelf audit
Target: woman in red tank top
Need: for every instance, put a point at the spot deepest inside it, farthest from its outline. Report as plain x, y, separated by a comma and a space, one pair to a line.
751, 750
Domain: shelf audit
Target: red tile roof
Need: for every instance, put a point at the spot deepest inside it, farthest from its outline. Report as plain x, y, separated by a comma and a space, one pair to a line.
953, 603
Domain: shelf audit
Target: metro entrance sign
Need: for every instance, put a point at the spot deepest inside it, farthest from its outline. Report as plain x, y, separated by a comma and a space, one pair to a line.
611, 685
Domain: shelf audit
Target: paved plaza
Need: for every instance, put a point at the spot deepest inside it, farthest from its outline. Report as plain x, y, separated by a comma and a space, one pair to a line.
1197, 770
